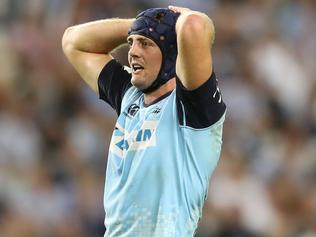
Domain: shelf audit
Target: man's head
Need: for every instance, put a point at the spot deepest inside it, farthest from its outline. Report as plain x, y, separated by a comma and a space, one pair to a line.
153, 51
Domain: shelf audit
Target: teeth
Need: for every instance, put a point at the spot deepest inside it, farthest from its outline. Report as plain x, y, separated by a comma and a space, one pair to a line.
137, 67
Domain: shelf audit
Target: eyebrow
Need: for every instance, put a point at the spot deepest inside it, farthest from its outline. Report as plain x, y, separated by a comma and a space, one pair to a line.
140, 39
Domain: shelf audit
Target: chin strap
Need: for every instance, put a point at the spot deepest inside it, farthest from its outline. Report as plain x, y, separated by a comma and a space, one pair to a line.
153, 87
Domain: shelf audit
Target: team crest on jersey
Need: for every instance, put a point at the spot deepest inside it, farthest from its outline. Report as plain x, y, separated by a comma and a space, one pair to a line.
132, 110
123, 141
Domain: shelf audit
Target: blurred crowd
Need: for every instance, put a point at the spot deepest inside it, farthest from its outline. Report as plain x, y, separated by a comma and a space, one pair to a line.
54, 131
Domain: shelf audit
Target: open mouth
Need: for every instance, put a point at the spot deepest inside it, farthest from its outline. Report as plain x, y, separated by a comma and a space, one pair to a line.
137, 67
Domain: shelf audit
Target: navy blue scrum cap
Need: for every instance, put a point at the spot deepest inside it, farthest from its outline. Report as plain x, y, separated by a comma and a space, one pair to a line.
158, 24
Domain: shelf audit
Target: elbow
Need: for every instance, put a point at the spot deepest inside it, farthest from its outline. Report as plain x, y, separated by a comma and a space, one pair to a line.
66, 40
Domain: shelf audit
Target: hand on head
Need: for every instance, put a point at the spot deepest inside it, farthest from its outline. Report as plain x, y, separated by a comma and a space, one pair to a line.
180, 10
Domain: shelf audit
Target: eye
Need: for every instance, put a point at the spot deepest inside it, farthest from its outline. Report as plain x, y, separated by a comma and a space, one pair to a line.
129, 42
144, 44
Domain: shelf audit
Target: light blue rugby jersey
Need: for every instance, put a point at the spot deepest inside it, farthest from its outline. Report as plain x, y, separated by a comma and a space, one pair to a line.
160, 158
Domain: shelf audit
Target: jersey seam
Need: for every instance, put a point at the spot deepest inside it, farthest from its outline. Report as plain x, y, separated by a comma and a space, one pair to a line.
213, 126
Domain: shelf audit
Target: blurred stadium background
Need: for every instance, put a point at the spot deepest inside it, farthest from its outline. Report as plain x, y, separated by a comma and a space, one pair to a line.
54, 132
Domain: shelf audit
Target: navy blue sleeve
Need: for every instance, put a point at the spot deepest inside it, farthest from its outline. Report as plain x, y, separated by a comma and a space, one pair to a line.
113, 82
201, 107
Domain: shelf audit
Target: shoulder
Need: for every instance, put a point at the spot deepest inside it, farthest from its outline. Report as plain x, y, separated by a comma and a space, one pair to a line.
114, 81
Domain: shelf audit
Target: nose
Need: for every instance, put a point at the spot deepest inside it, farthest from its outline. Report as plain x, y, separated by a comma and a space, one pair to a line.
133, 50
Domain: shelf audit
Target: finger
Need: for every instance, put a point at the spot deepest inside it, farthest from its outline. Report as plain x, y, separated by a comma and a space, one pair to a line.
173, 8
178, 9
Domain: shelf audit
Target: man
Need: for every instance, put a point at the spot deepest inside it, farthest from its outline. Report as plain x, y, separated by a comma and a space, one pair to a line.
167, 139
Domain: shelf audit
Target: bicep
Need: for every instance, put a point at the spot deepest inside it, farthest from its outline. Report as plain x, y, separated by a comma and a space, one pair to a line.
194, 61
88, 65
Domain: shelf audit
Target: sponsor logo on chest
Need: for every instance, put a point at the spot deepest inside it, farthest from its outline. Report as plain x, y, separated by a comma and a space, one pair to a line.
123, 141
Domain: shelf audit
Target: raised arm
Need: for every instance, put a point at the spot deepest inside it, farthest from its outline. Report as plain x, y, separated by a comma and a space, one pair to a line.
88, 46
195, 35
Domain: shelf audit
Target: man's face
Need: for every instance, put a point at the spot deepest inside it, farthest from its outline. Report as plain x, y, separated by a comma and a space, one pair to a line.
145, 59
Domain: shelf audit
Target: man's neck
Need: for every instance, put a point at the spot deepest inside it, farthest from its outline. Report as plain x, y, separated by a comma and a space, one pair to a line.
169, 86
